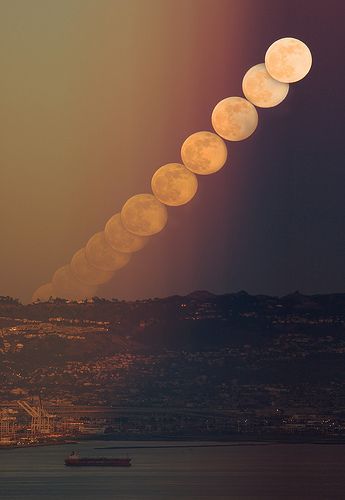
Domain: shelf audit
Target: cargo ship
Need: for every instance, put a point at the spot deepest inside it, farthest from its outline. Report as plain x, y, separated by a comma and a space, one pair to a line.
74, 460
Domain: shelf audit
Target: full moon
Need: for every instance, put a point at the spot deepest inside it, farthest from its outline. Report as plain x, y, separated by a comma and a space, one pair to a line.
173, 184
68, 287
261, 89
120, 239
234, 118
288, 60
85, 272
144, 215
204, 153
43, 293
102, 256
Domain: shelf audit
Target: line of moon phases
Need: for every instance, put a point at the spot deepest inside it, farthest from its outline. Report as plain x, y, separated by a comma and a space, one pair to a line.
173, 184
288, 60
264, 85
234, 118
102, 256
86, 272
122, 240
144, 215
261, 89
204, 153
66, 285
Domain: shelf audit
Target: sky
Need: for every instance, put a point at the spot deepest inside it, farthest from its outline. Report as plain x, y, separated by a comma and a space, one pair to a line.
95, 95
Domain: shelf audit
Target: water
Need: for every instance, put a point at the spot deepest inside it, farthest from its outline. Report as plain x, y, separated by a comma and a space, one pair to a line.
260, 472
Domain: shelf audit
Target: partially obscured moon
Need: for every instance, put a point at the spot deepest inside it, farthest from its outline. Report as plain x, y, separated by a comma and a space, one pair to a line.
204, 153
234, 118
120, 239
102, 256
67, 286
173, 184
85, 272
288, 60
144, 215
43, 293
261, 89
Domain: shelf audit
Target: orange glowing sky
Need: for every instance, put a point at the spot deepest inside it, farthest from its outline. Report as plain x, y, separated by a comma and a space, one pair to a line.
94, 97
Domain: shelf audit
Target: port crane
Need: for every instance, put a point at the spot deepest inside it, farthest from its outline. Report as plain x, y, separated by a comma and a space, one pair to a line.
7, 427
42, 422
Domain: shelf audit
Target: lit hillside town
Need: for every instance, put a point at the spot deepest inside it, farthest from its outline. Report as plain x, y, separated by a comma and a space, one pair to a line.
202, 366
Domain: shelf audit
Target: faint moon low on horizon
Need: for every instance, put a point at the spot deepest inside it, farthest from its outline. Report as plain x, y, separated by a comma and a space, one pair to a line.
120, 238
85, 272
102, 256
67, 286
43, 293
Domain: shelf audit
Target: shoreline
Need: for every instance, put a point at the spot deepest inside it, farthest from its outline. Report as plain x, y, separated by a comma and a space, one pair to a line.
37, 445
199, 441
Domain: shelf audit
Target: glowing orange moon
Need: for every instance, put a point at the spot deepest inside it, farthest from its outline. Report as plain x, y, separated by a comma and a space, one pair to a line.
85, 272
261, 89
204, 153
234, 118
144, 215
102, 256
43, 293
68, 287
288, 60
120, 239
173, 184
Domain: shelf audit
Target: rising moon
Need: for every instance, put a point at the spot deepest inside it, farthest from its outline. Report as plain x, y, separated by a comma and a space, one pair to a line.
288, 60
234, 118
67, 286
85, 272
102, 256
261, 89
173, 184
144, 215
120, 239
43, 293
204, 153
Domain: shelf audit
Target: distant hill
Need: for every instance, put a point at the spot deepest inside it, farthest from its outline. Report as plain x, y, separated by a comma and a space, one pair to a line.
201, 295
235, 350
199, 320
240, 302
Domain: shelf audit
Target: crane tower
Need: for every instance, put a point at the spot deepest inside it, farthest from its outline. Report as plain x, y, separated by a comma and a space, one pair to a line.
42, 422
7, 427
